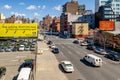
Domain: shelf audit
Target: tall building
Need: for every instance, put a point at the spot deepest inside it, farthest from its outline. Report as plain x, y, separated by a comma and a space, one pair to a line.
2, 16
56, 24
81, 9
47, 21
115, 5
71, 7
105, 13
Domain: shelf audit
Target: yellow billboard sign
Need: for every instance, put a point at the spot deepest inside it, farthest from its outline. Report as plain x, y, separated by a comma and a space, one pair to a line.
18, 30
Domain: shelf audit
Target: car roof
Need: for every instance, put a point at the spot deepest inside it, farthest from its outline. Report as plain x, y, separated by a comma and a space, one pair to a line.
91, 55
67, 62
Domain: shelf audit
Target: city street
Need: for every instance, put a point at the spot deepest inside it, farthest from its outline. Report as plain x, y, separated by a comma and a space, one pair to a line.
83, 71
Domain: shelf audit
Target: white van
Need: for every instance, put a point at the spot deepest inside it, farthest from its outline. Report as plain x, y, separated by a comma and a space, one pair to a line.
94, 60
24, 74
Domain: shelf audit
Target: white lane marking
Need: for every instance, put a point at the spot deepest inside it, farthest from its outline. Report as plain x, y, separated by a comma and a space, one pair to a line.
3, 59
14, 60
20, 56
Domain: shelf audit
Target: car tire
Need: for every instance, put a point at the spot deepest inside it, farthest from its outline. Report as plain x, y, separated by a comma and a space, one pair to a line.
113, 58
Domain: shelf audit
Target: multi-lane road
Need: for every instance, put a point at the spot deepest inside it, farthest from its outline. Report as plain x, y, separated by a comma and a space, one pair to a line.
83, 70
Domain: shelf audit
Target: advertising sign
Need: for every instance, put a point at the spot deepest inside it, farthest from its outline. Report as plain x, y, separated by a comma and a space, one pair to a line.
106, 25
18, 30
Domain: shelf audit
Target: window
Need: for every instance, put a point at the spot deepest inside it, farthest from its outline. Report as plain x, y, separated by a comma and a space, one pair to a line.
117, 4
116, 0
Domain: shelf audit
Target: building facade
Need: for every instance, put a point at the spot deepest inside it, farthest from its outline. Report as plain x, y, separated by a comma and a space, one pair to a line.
115, 5
71, 7
56, 24
81, 9
80, 29
66, 20
2, 18
12, 19
47, 21
105, 13
90, 18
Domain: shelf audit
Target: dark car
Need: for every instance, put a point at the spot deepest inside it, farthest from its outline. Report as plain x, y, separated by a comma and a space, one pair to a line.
15, 49
113, 56
28, 63
90, 47
55, 50
49, 42
100, 51
76, 42
2, 71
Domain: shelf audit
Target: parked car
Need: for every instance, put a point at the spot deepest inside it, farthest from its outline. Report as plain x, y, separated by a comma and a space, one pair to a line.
21, 48
52, 46
90, 47
84, 44
2, 49
113, 56
32, 47
49, 42
55, 50
76, 42
67, 66
92, 59
2, 71
100, 51
8, 49
27, 48
15, 48
28, 63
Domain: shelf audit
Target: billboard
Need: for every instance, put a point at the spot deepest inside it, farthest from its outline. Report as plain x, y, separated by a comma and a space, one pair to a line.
18, 30
106, 25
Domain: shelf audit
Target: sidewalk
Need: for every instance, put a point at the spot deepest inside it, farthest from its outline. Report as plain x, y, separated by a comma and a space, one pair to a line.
47, 66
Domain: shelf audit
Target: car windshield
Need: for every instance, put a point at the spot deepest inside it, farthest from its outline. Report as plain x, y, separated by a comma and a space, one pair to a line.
68, 65
56, 49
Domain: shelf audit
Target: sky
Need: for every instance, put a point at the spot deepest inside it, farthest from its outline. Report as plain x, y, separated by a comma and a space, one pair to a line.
37, 8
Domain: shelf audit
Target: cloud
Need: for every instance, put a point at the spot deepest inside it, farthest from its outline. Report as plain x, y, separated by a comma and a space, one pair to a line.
43, 7
31, 7
58, 8
39, 7
22, 3
7, 6
17, 14
36, 14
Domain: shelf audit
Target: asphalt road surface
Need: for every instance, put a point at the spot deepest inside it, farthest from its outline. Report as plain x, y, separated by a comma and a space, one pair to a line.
83, 70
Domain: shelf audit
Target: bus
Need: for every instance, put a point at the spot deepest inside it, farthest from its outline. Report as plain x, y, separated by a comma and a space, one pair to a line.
24, 74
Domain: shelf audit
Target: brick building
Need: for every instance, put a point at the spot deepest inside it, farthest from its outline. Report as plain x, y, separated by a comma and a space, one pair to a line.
47, 21
56, 24
71, 7
13, 19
